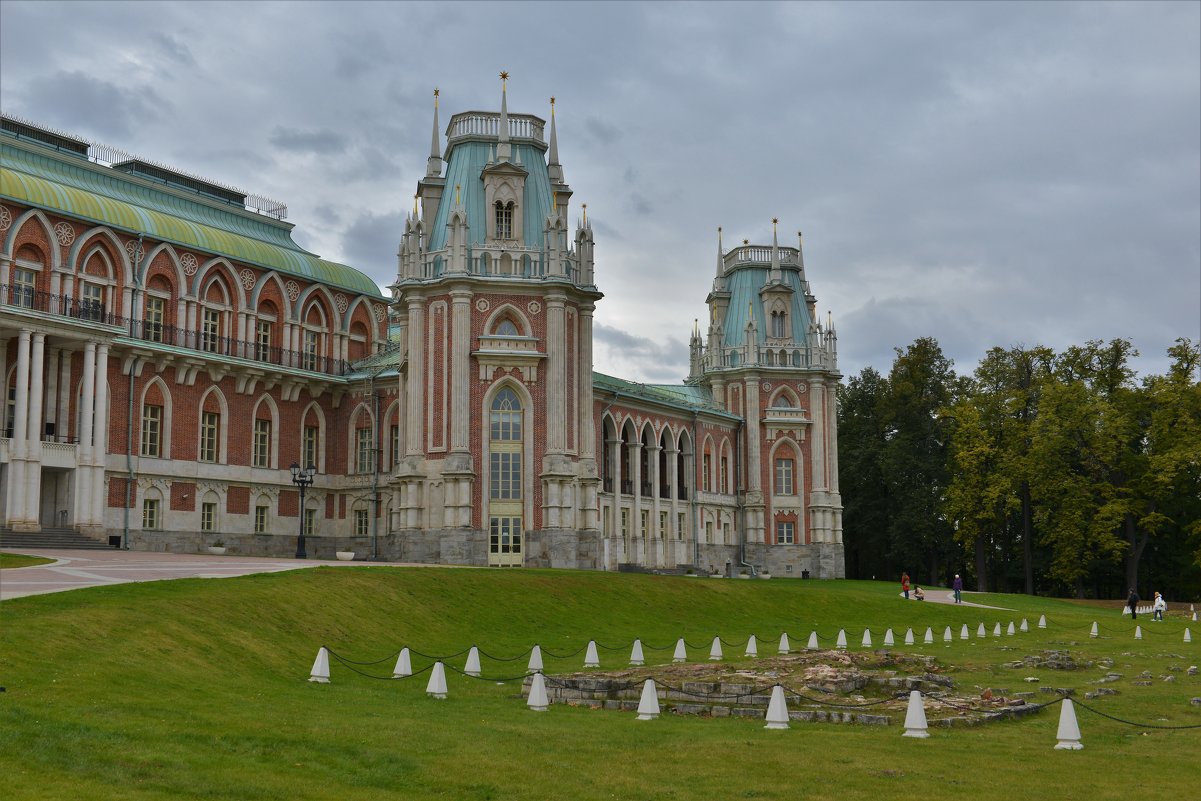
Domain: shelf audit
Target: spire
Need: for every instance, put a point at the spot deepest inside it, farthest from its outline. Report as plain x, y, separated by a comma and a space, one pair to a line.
503, 149
721, 259
776, 276
554, 169
433, 166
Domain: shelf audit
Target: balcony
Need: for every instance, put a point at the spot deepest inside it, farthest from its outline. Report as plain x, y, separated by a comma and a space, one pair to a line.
88, 312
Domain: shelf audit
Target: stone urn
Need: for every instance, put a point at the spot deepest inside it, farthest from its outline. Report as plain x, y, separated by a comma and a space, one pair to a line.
216, 550
344, 556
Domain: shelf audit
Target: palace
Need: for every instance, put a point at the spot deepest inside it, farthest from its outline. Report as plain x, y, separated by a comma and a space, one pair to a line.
169, 351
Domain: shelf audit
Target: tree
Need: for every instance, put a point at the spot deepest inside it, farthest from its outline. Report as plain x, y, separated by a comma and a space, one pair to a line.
864, 493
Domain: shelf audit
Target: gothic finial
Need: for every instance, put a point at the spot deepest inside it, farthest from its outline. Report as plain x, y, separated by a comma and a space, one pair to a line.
584, 208
433, 165
415, 197
556, 171
503, 151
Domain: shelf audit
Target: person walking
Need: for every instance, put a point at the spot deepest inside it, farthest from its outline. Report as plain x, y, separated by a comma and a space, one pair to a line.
1132, 602
957, 586
1158, 608
905, 585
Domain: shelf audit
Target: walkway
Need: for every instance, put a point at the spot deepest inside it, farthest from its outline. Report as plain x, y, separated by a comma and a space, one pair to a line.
75, 570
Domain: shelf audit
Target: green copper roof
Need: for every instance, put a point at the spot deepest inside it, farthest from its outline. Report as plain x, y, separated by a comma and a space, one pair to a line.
36, 176
467, 161
743, 285
677, 396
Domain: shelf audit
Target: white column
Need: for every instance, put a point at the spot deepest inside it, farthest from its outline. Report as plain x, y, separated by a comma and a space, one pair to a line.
460, 364
754, 468
87, 403
36, 389
15, 506
416, 396
64, 395
556, 374
636, 532
100, 436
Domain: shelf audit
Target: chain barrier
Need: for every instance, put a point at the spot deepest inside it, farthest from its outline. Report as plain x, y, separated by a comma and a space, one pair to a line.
351, 666
564, 656
500, 680
1131, 722
346, 661
439, 658
795, 694
523, 655
610, 647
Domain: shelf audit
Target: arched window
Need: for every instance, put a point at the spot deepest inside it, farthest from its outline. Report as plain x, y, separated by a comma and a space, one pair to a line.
504, 220
507, 328
506, 493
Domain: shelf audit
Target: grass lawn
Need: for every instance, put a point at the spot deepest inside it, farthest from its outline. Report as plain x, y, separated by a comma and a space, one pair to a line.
21, 560
197, 689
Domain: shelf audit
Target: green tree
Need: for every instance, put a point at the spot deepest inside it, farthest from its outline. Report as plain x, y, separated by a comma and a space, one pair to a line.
860, 477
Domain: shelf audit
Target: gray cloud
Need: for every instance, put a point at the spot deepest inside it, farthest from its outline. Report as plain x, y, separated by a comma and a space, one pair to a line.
320, 141
174, 49
370, 243
99, 109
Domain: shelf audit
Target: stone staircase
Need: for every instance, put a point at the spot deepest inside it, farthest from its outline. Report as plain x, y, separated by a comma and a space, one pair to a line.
58, 539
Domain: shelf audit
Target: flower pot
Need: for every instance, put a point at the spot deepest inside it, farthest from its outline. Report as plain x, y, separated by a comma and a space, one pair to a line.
216, 550
345, 556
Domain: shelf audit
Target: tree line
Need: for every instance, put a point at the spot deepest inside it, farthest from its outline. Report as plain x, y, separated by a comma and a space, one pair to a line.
1041, 472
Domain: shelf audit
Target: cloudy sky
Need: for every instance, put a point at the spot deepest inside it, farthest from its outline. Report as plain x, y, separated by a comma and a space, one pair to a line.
983, 173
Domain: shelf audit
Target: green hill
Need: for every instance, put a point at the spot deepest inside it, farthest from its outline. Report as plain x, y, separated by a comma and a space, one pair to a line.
196, 689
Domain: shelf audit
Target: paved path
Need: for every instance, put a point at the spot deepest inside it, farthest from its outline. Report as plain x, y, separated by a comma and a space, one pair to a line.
948, 597
75, 570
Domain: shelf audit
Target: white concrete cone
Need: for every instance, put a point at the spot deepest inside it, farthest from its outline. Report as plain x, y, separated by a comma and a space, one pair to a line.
1188, 635
963, 632
648, 705
812, 644
538, 701
1025, 627
472, 668
909, 636
1011, 630
980, 632
1042, 621
888, 638
1138, 632
680, 654
590, 657
1194, 617
929, 638
996, 630
535, 659
785, 646
867, 638
715, 650
947, 636
436, 686
841, 642
777, 709
1093, 632
404, 665
320, 671
915, 716
752, 646
636, 657
1069, 730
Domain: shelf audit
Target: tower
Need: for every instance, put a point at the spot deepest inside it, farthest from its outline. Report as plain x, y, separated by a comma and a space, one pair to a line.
494, 303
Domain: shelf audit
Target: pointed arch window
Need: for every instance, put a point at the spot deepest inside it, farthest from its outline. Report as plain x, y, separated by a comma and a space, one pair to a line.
505, 440
507, 328
779, 324
504, 220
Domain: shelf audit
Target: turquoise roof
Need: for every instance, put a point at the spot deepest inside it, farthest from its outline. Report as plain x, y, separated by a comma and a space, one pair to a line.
37, 176
677, 396
467, 162
743, 285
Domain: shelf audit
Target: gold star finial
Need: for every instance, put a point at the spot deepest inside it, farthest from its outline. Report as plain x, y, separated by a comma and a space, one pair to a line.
552, 100
774, 220
746, 241
504, 75
436, 91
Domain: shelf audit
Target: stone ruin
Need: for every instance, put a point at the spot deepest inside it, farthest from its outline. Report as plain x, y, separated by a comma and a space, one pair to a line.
870, 688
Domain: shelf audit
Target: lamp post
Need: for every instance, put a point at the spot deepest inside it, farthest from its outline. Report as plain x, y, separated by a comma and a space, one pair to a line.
303, 479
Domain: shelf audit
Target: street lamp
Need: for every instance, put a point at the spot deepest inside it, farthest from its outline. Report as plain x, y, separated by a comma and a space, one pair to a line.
303, 479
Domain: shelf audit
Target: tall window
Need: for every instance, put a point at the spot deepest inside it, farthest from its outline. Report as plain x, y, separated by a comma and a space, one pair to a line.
361, 523
395, 440
91, 305
504, 220
260, 519
505, 478
308, 446
364, 452
784, 477
312, 342
724, 486
785, 532
725, 534
208, 516
709, 531
662, 532
680, 526
778, 320
152, 430
210, 331
24, 283
155, 314
150, 514
262, 443
262, 340
210, 430
644, 522
707, 473
310, 522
